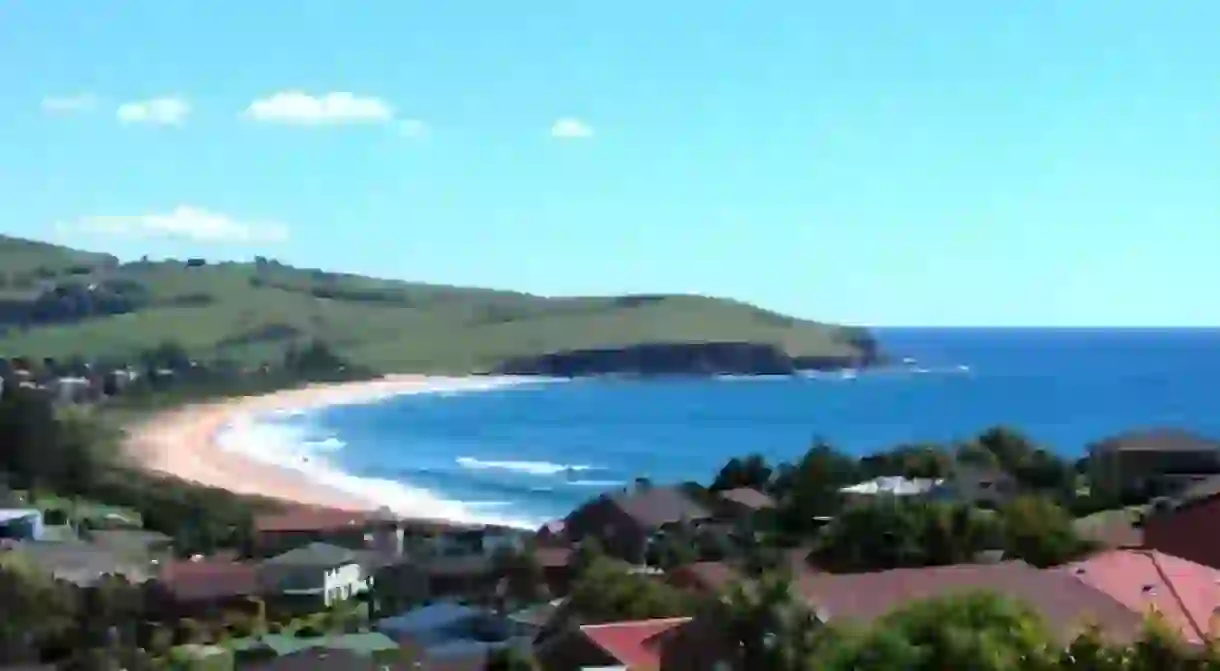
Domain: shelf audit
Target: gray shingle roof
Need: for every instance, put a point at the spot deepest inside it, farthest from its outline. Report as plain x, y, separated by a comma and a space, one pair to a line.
656, 506
315, 554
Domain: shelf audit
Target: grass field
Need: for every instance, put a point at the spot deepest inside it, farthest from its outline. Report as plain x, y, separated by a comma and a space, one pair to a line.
249, 312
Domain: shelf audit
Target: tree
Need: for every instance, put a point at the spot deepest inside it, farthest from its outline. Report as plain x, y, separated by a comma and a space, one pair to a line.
37, 609
766, 626
607, 592
980, 632
810, 488
509, 659
1039, 532
521, 575
752, 471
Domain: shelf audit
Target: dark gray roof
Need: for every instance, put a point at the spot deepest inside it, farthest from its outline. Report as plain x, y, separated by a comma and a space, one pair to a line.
80, 563
1159, 440
315, 554
653, 506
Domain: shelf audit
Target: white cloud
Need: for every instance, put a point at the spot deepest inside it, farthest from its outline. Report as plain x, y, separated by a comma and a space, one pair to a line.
184, 223
571, 129
412, 128
168, 111
300, 108
82, 102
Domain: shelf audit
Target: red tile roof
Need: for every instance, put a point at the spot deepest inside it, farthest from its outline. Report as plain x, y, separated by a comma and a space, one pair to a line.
748, 497
1186, 594
1064, 603
209, 579
633, 644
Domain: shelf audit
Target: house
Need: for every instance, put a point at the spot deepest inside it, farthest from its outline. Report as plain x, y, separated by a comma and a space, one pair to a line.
205, 587
556, 565
620, 645
81, 563
21, 524
975, 486
704, 578
1185, 525
1185, 594
625, 522
317, 573
888, 485
1065, 603
280, 532
132, 543
1151, 462
743, 503
448, 630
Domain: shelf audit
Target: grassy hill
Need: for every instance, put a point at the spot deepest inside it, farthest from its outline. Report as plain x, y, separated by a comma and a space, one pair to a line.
59, 302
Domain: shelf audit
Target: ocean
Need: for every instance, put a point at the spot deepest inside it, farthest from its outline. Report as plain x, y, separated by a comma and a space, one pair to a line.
524, 454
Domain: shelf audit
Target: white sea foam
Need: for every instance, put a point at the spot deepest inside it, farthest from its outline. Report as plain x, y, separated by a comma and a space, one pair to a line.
528, 467
596, 483
283, 438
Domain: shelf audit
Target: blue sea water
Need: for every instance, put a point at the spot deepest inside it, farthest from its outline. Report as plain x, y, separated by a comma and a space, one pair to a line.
525, 454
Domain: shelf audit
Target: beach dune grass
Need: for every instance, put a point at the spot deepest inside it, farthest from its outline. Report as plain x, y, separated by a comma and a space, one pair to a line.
248, 313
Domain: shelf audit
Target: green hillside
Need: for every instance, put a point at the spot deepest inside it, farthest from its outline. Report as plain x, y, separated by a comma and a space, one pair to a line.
61, 302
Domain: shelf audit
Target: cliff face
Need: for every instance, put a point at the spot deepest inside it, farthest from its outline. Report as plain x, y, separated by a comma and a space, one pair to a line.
715, 358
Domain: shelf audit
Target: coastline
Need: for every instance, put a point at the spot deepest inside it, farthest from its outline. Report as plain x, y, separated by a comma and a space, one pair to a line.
184, 441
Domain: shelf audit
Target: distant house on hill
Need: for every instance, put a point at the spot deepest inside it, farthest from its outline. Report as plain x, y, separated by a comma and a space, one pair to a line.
624, 522
280, 532
1151, 462
888, 485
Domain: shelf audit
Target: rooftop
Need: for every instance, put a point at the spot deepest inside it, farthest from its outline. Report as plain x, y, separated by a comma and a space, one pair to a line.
635, 644
315, 554
208, 579
748, 497
1158, 440
316, 519
1066, 604
655, 506
893, 485
1186, 594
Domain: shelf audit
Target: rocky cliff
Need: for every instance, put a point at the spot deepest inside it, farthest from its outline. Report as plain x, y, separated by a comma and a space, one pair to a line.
712, 358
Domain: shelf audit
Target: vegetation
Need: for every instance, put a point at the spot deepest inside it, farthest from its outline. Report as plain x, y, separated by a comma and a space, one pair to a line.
607, 592
58, 302
977, 631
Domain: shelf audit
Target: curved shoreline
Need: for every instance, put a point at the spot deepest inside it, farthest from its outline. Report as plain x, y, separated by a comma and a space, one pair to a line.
183, 441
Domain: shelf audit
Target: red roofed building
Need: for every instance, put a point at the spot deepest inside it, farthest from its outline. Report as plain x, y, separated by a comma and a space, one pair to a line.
209, 586
1184, 593
280, 532
635, 645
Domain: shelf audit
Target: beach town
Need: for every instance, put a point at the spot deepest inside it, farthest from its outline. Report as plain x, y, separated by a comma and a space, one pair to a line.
750, 571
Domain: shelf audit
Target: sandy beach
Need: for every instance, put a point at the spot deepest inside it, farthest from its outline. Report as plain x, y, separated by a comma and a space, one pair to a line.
182, 442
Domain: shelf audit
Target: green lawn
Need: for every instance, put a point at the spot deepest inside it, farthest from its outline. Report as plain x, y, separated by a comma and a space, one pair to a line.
249, 312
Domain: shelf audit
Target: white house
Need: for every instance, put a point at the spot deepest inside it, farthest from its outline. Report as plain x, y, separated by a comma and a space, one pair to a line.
892, 486
324, 573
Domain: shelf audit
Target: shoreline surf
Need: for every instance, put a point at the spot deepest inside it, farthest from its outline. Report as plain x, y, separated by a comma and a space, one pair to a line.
239, 444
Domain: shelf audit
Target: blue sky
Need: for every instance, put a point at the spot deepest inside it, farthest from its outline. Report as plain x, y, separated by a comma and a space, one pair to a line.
883, 163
